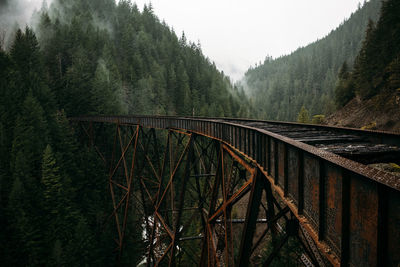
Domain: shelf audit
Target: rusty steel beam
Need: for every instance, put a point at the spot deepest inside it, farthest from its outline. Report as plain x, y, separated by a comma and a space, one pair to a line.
348, 210
128, 174
209, 246
150, 255
91, 141
175, 239
251, 220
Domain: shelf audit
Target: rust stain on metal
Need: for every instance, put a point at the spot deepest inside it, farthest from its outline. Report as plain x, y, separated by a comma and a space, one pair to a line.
363, 229
311, 189
293, 175
372, 221
281, 164
333, 211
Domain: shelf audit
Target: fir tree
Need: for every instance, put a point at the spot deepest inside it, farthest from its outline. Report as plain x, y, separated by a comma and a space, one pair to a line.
304, 116
30, 136
345, 90
51, 181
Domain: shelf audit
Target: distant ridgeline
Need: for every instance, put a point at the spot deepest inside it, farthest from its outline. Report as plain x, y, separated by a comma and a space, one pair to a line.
86, 57
279, 88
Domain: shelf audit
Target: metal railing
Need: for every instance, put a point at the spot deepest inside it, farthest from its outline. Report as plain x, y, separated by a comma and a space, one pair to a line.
351, 211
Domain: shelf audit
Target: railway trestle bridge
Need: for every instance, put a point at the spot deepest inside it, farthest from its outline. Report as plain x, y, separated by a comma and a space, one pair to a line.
233, 192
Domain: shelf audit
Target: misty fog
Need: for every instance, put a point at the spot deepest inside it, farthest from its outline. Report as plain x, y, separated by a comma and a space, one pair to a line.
16, 14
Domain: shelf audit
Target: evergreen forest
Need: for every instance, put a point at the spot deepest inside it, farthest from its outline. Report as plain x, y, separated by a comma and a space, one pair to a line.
86, 57
376, 68
280, 87
79, 58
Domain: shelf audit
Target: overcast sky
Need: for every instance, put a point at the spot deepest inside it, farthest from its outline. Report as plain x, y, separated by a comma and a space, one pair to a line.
236, 33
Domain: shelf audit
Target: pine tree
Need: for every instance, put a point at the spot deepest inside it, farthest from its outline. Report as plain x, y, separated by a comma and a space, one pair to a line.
187, 99
51, 181
309, 75
30, 136
81, 246
344, 71
90, 60
345, 90
25, 52
393, 71
66, 151
102, 97
61, 216
375, 67
20, 228
171, 89
364, 65
304, 116
75, 97
3, 168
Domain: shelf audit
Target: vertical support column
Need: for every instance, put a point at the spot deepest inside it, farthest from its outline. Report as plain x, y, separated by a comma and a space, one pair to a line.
236, 136
247, 141
344, 246
150, 255
321, 197
121, 201
181, 201
251, 219
276, 162
258, 148
264, 155
253, 145
286, 170
382, 225
240, 139
300, 176
129, 186
207, 250
269, 155
270, 206
110, 176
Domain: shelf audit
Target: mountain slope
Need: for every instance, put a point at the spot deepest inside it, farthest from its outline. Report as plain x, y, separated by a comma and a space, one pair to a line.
372, 87
87, 57
308, 76
366, 114
133, 61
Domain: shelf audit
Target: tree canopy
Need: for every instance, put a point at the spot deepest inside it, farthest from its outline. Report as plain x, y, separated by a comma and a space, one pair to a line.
307, 77
86, 57
376, 67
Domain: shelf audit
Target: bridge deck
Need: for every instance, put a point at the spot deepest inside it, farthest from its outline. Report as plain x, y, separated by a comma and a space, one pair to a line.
349, 143
350, 210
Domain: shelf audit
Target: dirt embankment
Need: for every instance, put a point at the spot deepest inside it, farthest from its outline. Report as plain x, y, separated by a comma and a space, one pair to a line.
379, 113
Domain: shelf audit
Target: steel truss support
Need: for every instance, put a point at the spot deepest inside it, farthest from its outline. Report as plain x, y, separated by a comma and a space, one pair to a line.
203, 202
124, 152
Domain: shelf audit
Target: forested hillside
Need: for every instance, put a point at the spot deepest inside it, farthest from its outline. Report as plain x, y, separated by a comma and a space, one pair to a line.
122, 59
377, 65
307, 77
86, 57
373, 84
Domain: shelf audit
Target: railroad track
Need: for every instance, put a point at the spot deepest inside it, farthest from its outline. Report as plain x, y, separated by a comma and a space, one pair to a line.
349, 209
365, 147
